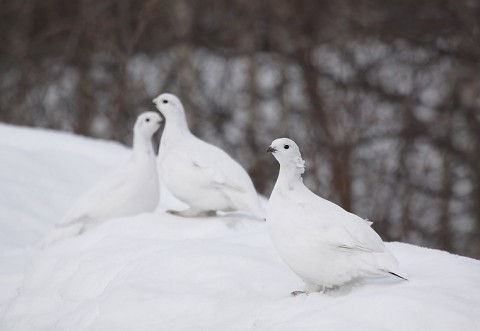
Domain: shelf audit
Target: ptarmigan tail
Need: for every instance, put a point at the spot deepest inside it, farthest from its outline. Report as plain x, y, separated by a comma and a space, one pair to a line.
402, 276
396, 271
258, 211
390, 265
60, 233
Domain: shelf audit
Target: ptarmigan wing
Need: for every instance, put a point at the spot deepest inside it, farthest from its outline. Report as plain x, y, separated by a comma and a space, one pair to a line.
217, 176
343, 229
217, 168
356, 235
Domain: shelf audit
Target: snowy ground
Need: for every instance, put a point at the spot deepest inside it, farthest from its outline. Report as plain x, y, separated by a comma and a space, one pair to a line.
162, 272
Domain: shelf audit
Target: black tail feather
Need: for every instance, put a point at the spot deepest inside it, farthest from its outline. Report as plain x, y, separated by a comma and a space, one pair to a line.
392, 273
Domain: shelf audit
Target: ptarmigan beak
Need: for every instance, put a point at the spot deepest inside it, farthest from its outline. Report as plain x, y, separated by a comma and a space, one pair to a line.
271, 149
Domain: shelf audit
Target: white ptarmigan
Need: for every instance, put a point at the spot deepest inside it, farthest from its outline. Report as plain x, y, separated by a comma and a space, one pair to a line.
321, 242
131, 189
199, 174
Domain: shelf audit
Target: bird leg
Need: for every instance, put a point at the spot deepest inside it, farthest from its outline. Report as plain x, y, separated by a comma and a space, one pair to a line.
190, 212
211, 213
309, 288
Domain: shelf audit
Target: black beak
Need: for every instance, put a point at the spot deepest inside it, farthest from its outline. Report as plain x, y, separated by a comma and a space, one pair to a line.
270, 149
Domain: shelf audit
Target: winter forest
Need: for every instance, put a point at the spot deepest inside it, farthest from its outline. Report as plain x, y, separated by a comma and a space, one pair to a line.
383, 96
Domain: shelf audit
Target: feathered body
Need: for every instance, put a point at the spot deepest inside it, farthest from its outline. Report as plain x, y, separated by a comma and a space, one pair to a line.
321, 242
131, 189
201, 175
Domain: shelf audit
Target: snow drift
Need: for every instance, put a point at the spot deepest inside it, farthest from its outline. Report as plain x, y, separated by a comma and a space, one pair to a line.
157, 271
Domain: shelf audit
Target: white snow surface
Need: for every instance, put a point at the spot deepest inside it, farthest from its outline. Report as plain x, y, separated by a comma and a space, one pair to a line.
157, 271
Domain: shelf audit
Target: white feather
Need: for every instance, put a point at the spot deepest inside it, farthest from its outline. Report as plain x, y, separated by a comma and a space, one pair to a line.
201, 175
320, 241
131, 189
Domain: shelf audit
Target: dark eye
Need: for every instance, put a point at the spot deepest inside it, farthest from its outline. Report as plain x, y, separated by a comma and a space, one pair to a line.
286, 146
165, 101
147, 120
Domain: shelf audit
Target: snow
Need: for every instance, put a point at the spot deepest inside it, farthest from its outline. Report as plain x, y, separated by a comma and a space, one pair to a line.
157, 271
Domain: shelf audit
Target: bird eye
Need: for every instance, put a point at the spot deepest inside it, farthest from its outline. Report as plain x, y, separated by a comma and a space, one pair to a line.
165, 101
286, 146
147, 120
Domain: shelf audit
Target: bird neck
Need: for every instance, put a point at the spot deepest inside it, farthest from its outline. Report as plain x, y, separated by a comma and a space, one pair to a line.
175, 129
142, 146
289, 177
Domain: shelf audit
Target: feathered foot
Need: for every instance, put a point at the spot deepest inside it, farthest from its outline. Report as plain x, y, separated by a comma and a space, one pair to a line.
191, 212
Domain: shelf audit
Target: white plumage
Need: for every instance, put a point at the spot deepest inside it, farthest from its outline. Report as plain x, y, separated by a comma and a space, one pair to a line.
201, 175
131, 189
321, 242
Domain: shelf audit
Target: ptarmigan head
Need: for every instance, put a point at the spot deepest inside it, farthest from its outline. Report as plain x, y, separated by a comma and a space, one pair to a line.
169, 105
287, 154
147, 124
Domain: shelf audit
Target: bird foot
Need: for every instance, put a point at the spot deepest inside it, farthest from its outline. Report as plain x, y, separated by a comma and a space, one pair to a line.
211, 213
191, 212
295, 293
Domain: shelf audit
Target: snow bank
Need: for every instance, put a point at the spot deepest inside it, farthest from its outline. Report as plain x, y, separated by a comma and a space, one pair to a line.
161, 272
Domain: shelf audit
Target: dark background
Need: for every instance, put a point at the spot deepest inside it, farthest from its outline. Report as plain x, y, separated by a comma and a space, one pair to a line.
382, 96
